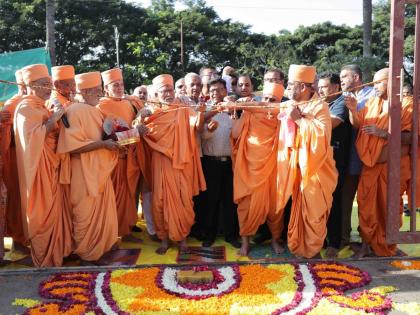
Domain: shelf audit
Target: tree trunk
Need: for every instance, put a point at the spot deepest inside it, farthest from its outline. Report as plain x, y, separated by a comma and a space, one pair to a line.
50, 19
367, 28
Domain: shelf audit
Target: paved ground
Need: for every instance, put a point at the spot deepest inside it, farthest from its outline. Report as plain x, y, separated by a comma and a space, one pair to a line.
24, 283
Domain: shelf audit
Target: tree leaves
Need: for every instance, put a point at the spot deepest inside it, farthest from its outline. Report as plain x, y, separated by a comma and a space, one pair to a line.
150, 39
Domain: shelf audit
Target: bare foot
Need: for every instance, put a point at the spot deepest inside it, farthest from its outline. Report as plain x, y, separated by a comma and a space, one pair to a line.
183, 247
131, 238
331, 252
363, 251
164, 245
244, 250
277, 248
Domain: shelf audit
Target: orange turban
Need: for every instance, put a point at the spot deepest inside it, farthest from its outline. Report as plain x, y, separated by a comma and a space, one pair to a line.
162, 80
62, 73
302, 73
19, 78
34, 72
112, 75
88, 80
274, 89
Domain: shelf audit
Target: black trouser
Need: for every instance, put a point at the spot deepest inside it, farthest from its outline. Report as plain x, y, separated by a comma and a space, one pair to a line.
219, 197
199, 209
334, 224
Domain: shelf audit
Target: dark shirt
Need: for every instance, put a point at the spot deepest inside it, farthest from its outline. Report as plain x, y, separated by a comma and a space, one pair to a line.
341, 135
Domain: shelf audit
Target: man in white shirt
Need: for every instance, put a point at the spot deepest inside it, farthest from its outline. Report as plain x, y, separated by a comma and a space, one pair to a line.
217, 169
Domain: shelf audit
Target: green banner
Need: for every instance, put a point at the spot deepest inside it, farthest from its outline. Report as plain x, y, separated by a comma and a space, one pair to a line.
12, 61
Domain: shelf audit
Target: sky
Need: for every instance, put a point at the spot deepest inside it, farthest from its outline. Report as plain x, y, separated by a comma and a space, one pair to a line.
270, 16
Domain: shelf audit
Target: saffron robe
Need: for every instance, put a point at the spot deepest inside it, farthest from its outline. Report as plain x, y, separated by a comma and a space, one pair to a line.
94, 212
254, 156
306, 171
126, 173
177, 175
372, 189
49, 227
15, 218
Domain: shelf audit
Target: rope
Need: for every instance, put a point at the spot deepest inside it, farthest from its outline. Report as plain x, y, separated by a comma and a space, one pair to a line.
227, 105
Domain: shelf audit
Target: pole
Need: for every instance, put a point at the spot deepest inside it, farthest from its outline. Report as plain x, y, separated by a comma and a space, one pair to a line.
50, 27
182, 47
117, 39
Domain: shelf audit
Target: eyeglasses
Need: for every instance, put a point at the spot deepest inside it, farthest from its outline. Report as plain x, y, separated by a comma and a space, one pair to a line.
272, 80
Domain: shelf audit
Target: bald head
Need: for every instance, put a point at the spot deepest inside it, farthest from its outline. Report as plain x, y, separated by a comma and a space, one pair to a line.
381, 74
141, 92
381, 86
193, 85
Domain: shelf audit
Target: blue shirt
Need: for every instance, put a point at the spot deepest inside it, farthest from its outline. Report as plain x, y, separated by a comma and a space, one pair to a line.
341, 135
355, 165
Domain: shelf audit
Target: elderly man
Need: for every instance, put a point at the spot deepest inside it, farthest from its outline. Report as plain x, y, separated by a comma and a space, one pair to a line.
94, 212
175, 164
64, 85
351, 81
15, 218
193, 88
305, 168
180, 88
141, 92
255, 139
329, 89
49, 228
372, 124
126, 174
217, 168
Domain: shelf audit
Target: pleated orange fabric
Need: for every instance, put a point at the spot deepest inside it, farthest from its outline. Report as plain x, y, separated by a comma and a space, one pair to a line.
94, 211
254, 156
176, 171
372, 189
49, 227
126, 173
306, 172
15, 218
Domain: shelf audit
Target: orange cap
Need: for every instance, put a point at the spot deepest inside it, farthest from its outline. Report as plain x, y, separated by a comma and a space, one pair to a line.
88, 80
62, 73
18, 75
302, 73
34, 72
162, 80
274, 89
111, 75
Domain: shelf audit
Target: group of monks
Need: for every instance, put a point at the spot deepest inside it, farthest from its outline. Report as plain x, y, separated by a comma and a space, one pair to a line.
71, 190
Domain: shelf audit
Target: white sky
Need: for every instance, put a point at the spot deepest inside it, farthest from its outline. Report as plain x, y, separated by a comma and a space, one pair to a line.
270, 16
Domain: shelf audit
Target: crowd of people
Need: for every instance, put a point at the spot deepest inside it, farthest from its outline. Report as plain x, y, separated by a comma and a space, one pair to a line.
209, 157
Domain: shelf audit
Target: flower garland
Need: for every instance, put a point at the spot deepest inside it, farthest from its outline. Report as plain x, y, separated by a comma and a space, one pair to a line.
226, 280
406, 264
300, 289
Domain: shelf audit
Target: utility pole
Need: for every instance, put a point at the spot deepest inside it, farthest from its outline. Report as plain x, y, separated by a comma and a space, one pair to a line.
182, 48
367, 36
117, 40
50, 19
367, 28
